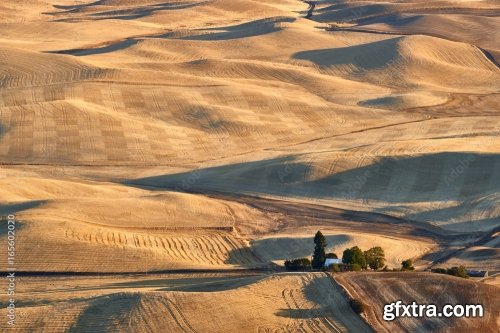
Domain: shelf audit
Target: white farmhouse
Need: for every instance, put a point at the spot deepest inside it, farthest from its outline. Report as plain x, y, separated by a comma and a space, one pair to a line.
331, 261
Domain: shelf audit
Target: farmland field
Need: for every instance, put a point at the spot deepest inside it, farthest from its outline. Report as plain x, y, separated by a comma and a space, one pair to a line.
162, 158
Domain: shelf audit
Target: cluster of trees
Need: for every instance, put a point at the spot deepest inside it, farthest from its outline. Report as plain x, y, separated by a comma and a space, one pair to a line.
353, 259
357, 259
455, 271
373, 258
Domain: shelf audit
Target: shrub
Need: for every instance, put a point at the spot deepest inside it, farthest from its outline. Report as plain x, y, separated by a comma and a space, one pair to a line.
407, 265
458, 271
357, 306
355, 267
439, 270
335, 268
298, 264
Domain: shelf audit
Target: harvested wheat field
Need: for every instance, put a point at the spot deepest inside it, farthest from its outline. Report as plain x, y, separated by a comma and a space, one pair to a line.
205, 142
171, 303
385, 288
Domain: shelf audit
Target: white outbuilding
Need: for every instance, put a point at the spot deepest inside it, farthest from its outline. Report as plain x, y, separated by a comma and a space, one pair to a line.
332, 261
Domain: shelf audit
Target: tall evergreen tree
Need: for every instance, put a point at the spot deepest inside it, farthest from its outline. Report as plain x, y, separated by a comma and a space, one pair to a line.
319, 255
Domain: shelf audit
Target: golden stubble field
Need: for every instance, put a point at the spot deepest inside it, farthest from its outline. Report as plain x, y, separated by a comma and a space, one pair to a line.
147, 136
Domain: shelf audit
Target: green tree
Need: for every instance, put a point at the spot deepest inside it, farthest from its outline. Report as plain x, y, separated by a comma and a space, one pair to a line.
319, 255
347, 256
375, 258
354, 255
331, 255
407, 265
